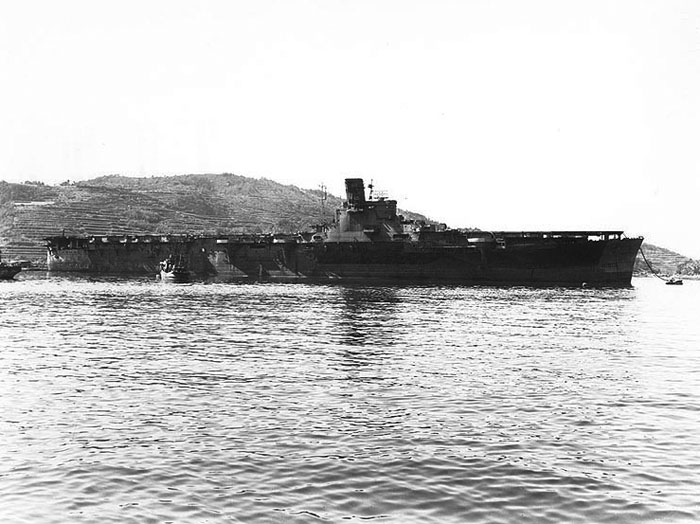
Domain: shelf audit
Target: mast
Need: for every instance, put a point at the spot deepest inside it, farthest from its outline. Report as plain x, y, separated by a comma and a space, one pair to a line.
324, 197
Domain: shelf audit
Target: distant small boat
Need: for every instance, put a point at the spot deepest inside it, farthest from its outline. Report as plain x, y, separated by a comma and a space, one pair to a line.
9, 270
174, 269
673, 281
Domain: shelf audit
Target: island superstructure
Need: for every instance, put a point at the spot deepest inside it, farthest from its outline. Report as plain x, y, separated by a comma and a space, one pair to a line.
367, 241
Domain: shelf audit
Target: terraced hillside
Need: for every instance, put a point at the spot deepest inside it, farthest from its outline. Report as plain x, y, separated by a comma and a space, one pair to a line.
195, 204
115, 205
664, 262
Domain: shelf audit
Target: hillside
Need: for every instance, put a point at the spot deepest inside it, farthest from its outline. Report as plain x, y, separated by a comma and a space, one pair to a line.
117, 205
194, 204
664, 262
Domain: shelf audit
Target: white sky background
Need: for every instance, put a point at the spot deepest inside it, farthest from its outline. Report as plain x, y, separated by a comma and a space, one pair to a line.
499, 114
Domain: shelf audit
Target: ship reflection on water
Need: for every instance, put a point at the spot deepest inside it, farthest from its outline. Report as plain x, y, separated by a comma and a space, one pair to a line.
368, 316
367, 335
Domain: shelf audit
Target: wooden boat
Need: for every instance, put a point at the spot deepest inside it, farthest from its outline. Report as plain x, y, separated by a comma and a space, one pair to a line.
673, 281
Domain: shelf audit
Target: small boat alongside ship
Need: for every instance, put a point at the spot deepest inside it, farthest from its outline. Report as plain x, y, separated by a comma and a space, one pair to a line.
367, 241
670, 281
174, 269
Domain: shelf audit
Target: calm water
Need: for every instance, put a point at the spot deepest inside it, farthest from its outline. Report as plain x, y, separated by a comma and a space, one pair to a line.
132, 401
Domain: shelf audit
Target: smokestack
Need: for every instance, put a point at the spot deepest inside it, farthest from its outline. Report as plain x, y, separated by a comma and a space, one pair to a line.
355, 190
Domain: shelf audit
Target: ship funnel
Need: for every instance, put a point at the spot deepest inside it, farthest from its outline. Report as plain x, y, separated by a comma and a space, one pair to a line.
355, 189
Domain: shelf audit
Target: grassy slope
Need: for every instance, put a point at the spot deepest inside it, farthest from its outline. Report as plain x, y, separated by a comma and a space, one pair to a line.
197, 204
115, 205
665, 262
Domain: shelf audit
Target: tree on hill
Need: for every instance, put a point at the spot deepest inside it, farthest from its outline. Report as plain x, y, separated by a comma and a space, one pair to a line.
689, 267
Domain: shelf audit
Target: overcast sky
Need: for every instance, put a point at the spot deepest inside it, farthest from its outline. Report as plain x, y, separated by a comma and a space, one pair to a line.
500, 114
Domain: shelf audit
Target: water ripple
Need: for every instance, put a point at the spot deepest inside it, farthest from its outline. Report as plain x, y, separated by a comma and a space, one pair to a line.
130, 401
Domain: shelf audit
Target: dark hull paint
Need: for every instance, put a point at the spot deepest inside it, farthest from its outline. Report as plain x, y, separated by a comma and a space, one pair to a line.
521, 262
8, 271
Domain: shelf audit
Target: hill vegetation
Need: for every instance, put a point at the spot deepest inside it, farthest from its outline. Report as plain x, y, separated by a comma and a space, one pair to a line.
664, 262
189, 204
186, 204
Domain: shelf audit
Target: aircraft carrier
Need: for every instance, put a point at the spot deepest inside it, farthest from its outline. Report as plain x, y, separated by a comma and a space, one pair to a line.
367, 241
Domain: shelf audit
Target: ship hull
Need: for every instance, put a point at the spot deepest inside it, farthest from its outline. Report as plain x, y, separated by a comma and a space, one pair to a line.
8, 271
594, 263
521, 261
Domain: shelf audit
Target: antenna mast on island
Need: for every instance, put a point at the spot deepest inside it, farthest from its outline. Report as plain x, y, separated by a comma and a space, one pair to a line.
324, 197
